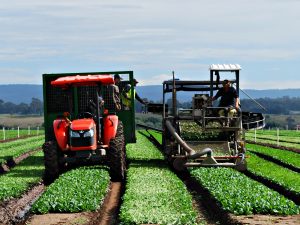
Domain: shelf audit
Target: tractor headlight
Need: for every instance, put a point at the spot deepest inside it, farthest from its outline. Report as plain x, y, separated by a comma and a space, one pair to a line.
89, 133
74, 134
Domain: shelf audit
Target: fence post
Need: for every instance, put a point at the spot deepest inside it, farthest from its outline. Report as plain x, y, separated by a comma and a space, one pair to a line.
28, 130
18, 132
277, 136
255, 135
4, 133
37, 131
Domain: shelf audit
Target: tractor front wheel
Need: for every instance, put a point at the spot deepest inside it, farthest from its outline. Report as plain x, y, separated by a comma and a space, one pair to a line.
116, 155
52, 161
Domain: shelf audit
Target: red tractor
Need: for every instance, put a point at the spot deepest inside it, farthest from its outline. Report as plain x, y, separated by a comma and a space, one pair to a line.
83, 125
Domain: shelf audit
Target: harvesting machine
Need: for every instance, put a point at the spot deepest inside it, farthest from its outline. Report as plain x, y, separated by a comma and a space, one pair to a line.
83, 123
201, 135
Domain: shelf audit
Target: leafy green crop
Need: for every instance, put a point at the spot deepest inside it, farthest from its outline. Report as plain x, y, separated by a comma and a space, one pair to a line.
154, 195
275, 173
240, 195
21, 177
143, 149
16, 148
81, 189
287, 157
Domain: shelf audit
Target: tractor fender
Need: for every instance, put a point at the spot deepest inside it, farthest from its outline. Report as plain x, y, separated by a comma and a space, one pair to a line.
61, 127
110, 123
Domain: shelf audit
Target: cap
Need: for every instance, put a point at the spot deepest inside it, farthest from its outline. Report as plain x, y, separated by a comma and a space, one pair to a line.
135, 81
117, 76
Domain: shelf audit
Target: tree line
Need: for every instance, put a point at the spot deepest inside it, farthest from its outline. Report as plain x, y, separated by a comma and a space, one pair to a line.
34, 107
280, 106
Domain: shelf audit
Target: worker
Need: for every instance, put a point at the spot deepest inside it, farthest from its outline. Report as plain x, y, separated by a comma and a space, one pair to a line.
116, 92
117, 79
126, 96
229, 98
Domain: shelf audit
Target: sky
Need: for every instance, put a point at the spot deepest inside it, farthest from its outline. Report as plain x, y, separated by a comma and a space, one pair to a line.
152, 38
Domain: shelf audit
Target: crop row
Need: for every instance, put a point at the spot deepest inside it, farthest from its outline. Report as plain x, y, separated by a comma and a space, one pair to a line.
81, 189
274, 142
241, 195
286, 178
21, 177
154, 195
143, 149
11, 150
250, 205
287, 157
292, 140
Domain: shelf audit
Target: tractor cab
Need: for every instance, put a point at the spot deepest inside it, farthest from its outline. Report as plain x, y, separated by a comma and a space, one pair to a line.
85, 121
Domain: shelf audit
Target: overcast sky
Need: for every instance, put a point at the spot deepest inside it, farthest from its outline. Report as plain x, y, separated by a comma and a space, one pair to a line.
152, 38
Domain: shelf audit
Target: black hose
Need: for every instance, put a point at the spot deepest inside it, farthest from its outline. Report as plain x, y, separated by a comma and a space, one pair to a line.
192, 153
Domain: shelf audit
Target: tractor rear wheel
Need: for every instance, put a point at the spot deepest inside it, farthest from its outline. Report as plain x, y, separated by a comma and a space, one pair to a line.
52, 161
116, 155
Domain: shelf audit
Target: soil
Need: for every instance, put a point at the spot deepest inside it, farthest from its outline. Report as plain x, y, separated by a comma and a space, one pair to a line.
13, 162
15, 210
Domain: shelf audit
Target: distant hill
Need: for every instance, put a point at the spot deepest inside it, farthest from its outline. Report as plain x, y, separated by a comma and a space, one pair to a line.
17, 93
154, 92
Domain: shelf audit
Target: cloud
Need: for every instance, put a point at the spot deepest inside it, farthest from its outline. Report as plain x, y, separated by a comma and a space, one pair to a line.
155, 80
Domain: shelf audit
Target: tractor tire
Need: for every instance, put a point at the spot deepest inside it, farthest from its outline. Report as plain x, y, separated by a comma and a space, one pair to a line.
116, 155
51, 158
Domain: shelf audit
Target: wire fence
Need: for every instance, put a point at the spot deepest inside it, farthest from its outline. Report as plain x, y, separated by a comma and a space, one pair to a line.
17, 132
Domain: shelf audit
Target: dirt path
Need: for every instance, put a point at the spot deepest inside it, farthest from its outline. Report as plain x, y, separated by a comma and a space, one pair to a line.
4, 168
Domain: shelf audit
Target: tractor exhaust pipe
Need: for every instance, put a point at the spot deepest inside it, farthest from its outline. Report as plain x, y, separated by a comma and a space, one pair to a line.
191, 152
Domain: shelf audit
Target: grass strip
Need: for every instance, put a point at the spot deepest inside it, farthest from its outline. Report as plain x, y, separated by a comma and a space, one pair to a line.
21, 177
143, 149
81, 189
287, 157
11, 134
241, 195
288, 179
11, 150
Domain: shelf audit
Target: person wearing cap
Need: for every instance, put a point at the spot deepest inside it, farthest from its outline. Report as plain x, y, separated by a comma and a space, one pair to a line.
229, 98
117, 79
116, 92
126, 95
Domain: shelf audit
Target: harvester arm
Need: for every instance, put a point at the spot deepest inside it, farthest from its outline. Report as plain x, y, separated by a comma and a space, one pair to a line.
191, 152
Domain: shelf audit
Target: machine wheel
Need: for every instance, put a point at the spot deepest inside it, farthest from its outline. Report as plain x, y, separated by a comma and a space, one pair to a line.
52, 161
116, 155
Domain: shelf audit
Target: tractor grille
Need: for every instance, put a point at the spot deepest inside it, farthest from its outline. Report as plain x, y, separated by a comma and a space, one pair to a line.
81, 141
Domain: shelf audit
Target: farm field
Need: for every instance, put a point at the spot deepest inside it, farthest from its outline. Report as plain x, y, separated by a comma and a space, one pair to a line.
152, 193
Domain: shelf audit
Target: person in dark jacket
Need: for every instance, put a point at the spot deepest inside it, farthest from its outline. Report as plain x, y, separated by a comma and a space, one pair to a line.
229, 98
